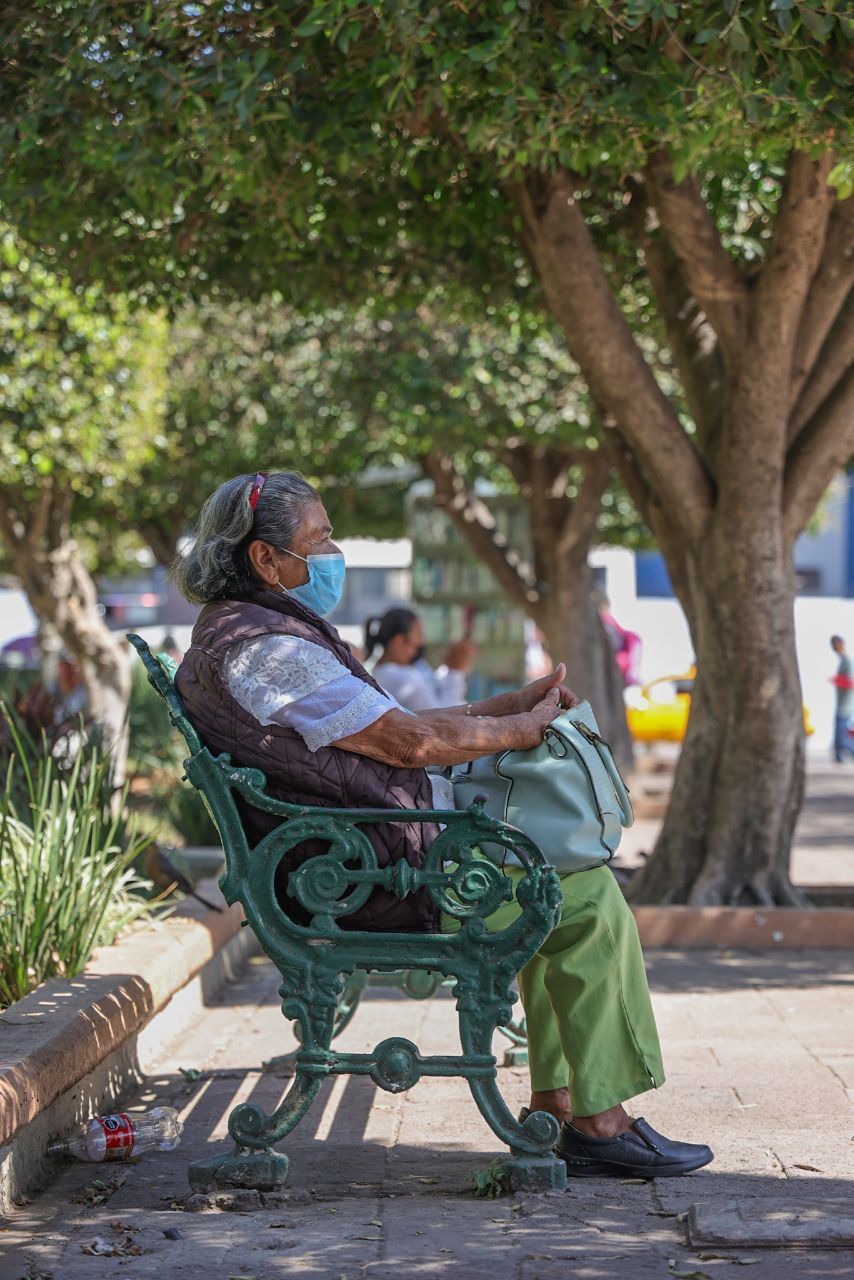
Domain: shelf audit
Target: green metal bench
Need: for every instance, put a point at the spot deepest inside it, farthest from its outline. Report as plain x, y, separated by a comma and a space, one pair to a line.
324, 968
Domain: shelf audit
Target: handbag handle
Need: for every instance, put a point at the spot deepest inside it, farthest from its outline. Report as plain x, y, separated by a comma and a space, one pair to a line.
596, 740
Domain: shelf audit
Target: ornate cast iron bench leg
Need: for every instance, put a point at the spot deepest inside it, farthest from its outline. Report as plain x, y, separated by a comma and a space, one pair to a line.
311, 996
284, 1063
483, 963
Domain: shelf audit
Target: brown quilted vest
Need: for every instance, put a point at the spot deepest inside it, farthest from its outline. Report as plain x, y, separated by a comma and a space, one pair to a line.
328, 777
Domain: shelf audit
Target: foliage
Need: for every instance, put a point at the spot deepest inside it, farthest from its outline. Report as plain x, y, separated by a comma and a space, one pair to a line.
336, 392
66, 880
152, 743
81, 378
168, 806
657, 166
240, 398
187, 813
199, 144
493, 1180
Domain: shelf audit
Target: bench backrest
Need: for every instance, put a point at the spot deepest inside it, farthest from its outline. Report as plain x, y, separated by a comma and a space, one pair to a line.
214, 776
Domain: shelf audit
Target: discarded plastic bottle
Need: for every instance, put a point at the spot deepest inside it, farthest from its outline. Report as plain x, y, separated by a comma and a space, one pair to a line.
120, 1136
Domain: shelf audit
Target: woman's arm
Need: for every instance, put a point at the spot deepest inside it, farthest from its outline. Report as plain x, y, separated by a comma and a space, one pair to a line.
437, 737
518, 700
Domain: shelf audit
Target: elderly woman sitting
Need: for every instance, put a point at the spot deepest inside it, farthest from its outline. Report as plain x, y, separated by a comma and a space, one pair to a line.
269, 681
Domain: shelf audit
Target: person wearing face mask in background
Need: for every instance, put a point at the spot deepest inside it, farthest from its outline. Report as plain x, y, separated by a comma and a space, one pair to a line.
404, 672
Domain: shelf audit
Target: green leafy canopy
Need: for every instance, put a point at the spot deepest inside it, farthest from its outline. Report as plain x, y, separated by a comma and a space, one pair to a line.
81, 380
222, 142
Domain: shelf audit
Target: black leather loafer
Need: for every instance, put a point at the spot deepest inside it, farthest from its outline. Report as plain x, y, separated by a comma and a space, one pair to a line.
640, 1152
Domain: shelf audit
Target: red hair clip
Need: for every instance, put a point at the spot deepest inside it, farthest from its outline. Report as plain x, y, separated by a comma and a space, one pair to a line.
255, 491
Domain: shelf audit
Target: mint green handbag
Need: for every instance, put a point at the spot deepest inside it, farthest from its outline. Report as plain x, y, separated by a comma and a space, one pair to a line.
566, 793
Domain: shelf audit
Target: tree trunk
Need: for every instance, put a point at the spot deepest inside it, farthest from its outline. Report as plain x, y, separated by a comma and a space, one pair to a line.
61, 591
63, 597
574, 634
162, 539
739, 781
555, 590
726, 501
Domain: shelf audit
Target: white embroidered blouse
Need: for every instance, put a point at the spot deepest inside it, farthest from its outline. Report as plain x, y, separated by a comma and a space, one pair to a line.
293, 682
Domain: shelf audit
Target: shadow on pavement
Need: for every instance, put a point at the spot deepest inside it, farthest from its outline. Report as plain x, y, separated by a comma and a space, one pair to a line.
739, 970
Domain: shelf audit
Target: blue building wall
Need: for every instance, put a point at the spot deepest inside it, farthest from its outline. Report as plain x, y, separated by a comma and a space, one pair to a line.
652, 580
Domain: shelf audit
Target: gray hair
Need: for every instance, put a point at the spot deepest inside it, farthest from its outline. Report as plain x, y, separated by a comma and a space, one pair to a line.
216, 566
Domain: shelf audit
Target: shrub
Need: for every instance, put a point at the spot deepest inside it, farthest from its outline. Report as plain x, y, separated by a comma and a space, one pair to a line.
66, 880
157, 755
154, 745
189, 815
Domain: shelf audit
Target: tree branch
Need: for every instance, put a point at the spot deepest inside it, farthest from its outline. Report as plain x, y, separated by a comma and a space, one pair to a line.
691, 337
825, 445
477, 525
833, 363
778, 300
162, 540
628, 469
12, 527
59, 516
830, 288
582, 516
36, 528
650, 508
517, 459
580, 298
710, 273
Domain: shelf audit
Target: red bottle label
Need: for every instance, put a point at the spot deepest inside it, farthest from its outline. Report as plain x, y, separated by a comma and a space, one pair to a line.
119, 1136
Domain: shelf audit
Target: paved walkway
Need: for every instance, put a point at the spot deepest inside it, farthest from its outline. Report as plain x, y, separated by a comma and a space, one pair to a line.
760, 1052
823, 850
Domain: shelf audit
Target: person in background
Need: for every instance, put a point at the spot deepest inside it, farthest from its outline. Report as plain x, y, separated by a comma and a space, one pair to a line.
59, 710
843, 738
627, 645
405, 673
170, 647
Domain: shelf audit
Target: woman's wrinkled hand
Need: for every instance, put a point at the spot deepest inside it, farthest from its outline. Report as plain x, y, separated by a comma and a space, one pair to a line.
538, 719
534, 692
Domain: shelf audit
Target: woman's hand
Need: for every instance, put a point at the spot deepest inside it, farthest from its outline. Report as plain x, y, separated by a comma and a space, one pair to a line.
534, 692
538, 719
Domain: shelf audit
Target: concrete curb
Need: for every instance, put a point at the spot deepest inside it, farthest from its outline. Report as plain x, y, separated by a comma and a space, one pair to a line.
765, 929
76, 1047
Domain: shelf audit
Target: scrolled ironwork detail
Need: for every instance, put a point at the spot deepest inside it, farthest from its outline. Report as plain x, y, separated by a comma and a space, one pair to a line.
325, 884
247, 1123
541, 1128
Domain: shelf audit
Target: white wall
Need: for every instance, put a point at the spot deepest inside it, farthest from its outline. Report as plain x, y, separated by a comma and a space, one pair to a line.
817, 618
16, 616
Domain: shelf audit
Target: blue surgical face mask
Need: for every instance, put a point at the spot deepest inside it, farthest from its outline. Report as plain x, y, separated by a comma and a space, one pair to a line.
325, 582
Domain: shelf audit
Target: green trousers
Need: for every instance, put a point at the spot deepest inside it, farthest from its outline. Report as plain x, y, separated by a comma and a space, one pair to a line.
586, 999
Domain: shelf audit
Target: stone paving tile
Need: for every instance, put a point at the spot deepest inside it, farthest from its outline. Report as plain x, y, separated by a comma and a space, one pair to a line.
758, 1051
